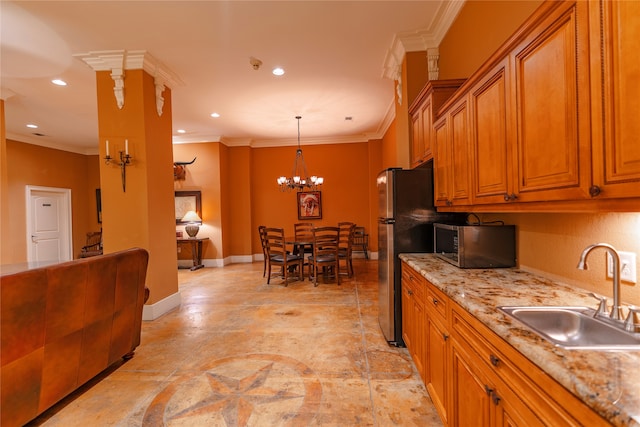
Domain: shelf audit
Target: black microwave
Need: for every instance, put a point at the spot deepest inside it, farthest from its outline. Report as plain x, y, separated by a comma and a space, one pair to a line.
476, 246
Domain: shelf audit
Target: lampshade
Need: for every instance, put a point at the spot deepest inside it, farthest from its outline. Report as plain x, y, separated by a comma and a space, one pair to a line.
191, 216
192, 227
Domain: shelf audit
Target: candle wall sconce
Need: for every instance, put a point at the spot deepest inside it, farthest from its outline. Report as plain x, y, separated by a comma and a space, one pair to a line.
125, 160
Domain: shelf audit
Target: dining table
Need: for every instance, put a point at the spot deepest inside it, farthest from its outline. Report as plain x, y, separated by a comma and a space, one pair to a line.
299, 243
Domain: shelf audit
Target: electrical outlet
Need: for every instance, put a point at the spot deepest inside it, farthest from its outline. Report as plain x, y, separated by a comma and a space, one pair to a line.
627, 266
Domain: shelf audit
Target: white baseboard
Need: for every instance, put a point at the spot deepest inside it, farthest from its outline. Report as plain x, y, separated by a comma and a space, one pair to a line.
153, 311
239, 259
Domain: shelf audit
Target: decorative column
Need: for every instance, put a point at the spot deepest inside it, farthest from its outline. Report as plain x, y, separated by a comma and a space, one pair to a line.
433, 56
136, 165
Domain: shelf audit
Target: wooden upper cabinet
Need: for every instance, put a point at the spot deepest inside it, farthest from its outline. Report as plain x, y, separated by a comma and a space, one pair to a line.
460, 149
552, 116
417, 142
451, 164
490, 135
615, 41
442, 164
422, 112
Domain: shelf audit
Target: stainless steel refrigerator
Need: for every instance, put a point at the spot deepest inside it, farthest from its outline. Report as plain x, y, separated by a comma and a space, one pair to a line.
405, 225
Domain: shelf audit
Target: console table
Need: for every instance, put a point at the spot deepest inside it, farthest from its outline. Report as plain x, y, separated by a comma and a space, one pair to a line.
196, 250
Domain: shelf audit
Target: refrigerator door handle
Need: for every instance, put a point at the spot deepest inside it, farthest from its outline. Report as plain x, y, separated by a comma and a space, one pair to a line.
387, 220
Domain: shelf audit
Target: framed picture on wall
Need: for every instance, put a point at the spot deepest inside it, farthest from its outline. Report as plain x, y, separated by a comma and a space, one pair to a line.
99, 205
187, 201
309, 205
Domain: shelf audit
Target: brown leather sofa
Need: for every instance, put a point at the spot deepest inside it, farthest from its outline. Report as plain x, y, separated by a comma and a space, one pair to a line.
63, 324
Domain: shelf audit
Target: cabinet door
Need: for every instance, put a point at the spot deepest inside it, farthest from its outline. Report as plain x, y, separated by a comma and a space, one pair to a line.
490, 135
417, 146
426, 114
459, 141
407, 315
413, 320
552, 108
437, 369
470, 397
441, 163
418, 353
616, 98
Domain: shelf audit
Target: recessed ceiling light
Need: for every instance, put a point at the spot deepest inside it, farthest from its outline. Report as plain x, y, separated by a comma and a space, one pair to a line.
59, 82
32, 126
278, 71
215, 115
181, 131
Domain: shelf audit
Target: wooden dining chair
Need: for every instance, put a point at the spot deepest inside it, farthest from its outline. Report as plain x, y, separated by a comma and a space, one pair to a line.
263, 242
325, 254
303, 231
277, 254
93, 245
345, 245
361, 240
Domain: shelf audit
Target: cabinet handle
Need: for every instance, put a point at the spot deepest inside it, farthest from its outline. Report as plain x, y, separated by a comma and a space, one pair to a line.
409, 291
506, 197
594, 191
435, 301
488, 390
495, 398
494, 360
445, 336
513, 196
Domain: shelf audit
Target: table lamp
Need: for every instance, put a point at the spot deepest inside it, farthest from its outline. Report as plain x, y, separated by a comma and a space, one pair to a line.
193, 220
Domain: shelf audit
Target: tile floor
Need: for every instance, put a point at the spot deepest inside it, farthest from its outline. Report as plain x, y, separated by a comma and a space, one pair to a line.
239, 352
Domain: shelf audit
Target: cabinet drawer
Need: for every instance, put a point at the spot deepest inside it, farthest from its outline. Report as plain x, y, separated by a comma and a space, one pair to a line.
414, 282
436, 302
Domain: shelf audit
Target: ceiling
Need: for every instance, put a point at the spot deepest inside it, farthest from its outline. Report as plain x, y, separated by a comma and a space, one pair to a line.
340, 58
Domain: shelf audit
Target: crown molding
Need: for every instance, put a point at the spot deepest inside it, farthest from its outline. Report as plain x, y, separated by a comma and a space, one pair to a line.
420, 40
117, 61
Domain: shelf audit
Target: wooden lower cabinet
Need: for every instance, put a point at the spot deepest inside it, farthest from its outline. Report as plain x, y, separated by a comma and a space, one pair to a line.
438, 366
413, 317
473, 376
480, 398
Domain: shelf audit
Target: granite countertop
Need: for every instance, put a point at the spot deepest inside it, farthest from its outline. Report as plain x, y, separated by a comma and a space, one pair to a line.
607, 381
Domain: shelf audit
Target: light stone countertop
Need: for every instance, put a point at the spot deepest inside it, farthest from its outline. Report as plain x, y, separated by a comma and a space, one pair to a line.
607, 381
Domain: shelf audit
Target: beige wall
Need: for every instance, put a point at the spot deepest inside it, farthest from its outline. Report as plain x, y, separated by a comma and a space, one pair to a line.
548, 243
551, 244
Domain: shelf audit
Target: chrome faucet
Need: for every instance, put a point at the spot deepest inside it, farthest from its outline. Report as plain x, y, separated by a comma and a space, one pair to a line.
616, 310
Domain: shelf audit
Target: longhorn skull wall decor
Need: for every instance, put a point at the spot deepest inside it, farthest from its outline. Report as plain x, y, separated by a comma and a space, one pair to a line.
180, 170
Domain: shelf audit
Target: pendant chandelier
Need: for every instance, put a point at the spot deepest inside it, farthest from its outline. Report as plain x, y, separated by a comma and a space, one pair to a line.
299, 179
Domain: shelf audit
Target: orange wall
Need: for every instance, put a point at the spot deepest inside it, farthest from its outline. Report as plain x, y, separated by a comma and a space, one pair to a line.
204, 175
239, 190
5, 243
417, 74
238, 201
478, 31
344, 194
35, 165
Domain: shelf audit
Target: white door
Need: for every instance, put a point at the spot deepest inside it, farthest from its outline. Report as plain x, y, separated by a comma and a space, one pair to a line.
48, 224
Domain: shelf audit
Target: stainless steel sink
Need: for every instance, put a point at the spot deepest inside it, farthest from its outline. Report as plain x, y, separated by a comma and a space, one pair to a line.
575, 328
